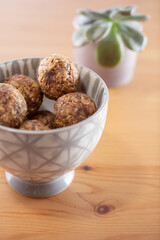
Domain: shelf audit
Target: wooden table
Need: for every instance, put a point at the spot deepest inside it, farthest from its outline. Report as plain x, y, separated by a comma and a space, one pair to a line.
115, 194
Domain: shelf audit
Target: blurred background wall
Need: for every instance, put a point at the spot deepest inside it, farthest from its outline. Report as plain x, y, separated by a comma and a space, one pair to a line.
33, 28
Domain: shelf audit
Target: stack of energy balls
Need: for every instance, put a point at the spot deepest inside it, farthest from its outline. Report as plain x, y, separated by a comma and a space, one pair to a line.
58, 79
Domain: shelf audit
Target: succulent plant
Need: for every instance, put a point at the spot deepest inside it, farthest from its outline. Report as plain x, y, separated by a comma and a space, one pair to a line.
111, 29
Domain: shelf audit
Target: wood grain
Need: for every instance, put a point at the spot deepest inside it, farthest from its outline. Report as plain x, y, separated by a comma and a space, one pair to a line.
116, 192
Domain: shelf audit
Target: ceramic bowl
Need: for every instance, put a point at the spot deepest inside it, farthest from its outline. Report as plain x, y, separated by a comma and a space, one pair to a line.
42, 163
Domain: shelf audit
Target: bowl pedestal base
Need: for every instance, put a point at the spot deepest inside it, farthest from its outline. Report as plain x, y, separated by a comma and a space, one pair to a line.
38, 190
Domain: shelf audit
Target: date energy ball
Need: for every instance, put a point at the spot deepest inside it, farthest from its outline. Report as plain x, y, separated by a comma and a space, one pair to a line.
33, 125
72, 108
30, 90
13, 107
45, 117
57, 75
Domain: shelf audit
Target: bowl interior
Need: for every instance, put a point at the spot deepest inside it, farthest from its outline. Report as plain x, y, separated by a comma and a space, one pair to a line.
90, 82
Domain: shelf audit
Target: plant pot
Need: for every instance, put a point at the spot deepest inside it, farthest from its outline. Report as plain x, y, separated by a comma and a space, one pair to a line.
113, 76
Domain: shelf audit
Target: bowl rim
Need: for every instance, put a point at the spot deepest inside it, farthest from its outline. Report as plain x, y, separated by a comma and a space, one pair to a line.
62, 129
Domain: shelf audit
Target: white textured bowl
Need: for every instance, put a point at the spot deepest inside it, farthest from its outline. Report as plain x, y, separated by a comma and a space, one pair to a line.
42, 163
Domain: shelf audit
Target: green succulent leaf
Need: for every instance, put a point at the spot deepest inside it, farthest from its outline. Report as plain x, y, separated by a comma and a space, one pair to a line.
109, 11
80, 21
97, 30
91, 14
110, 50
79, 37
127, 11
135, 17
132, 38
118, 13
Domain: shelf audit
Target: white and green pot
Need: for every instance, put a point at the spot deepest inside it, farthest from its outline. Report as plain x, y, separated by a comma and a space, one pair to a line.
108, 42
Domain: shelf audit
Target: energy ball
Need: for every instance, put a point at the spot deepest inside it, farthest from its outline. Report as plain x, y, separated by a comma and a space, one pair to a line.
13, 107
72, 108
57, 75
30, 90
45, 117
34, 125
